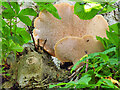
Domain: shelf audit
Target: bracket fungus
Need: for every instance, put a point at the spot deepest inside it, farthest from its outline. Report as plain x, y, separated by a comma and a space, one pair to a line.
49, 28
73, 48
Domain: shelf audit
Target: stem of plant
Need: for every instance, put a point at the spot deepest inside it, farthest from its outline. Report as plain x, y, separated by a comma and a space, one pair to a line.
102, 9
15, 24
32, 37
10, 27
86, 65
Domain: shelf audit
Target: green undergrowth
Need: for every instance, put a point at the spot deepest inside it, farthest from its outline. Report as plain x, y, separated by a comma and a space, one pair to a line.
100, 64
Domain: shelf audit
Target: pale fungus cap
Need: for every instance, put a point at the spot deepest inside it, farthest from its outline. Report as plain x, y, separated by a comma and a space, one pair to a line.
74, 48
49, 28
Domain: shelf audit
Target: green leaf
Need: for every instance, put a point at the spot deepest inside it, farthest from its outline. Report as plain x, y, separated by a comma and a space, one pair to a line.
25, 19
16, 6
102, 41
109, 83
81, 60
24, 34
107, 8
84, 11
59, 84
50, 8
104, 56
115, 28
113, 37
113, 61
8, 13
92, 55
6, 4
5, 31
17, 39
99, 82
98, 68
7, 74
4, 23
84, 79
15, 47
28, 11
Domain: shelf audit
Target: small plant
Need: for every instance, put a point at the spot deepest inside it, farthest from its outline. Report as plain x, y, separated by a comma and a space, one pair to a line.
103, 67
13, 37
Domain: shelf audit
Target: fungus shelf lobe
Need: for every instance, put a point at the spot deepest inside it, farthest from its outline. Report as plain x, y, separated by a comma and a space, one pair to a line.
74, 48
50, 28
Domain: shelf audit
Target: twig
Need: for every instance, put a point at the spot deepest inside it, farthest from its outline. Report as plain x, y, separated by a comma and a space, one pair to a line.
75, 73
44, 43
15, 24
38, 45
101, 9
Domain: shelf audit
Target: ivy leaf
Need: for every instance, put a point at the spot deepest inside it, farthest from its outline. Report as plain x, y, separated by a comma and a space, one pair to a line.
25, 19
50, 8
86, 12
16, 6
28, 11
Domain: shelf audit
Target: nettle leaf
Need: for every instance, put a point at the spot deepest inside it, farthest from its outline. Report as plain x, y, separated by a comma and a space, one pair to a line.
25, 19
16, 6
85, 11
28, 11
50, 8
